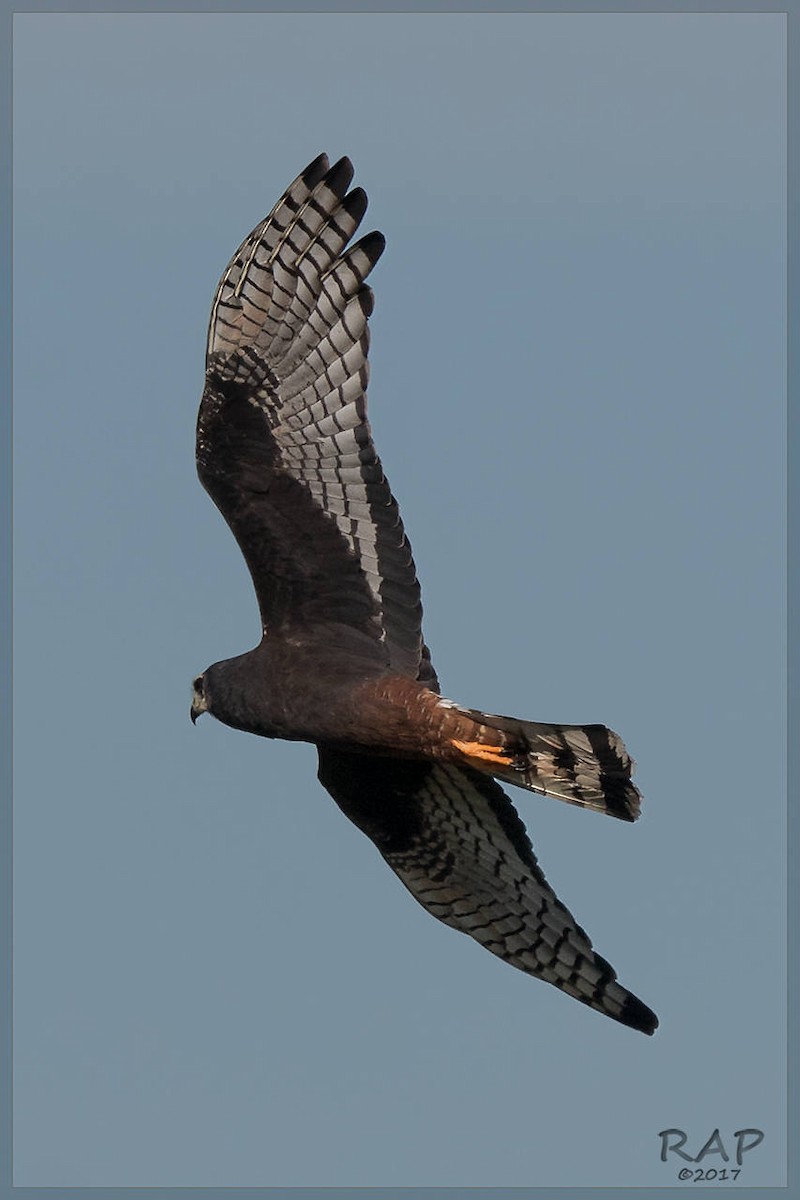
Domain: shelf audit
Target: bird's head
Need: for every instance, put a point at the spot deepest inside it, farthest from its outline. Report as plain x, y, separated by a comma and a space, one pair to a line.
199, 698
236, 692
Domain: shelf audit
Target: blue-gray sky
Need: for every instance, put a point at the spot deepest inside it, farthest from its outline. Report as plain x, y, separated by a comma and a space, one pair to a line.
578, 394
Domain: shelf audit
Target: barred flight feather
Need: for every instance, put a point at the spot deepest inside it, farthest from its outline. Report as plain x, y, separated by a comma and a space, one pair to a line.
586, 765
289, 320
455, 840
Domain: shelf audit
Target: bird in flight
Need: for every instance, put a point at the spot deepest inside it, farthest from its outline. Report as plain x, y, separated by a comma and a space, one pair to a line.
285, 450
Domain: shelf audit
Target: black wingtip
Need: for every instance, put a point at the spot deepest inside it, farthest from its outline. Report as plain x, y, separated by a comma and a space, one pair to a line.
315, 170
366, 298
373, 245
637, 1015
355, 203
339, 177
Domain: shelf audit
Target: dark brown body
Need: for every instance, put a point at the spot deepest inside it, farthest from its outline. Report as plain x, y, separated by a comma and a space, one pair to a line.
299, 698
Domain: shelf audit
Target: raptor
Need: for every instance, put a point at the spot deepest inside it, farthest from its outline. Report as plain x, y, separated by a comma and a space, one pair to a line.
285, 450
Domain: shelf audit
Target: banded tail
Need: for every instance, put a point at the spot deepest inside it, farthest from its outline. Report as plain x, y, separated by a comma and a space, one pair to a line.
580, 764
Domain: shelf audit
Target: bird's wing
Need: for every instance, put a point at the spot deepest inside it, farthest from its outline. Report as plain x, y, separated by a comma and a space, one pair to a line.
455, 840
283, 443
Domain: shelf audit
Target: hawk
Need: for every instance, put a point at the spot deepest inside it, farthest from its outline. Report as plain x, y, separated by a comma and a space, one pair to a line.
285, 450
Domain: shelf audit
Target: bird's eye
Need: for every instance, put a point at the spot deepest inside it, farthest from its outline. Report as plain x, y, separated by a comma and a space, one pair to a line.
198, 685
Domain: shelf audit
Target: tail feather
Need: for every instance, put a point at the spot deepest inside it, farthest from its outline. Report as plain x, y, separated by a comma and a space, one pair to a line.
586, 765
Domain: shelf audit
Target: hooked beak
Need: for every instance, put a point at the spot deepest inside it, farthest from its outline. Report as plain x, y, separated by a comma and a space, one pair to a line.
197, 709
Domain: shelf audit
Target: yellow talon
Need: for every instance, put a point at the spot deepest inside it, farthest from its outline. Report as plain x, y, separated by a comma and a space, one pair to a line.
492, 754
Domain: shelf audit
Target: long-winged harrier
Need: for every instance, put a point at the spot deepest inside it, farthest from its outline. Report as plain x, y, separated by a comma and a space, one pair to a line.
285, 451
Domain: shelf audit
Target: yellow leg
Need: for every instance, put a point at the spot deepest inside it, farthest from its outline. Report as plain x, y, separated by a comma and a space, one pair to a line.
491, 754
